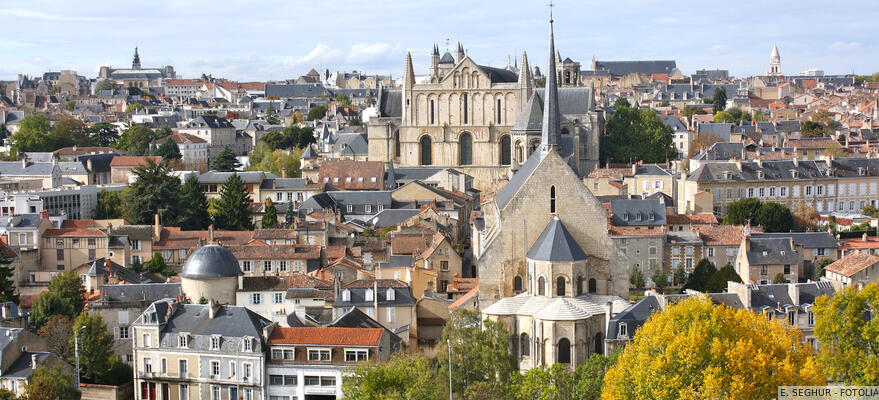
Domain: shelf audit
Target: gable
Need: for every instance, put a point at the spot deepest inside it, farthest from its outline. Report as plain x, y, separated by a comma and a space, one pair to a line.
415, 191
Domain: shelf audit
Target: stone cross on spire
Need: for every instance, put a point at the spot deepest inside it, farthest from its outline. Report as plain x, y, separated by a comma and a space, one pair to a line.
550, 136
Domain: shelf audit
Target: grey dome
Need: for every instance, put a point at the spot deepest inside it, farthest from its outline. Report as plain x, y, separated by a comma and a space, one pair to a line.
211, 261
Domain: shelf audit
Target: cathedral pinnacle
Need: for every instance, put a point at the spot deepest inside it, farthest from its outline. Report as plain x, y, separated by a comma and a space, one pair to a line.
551, 132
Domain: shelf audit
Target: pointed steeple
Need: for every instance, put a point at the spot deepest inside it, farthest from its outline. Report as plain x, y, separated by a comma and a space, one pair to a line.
135, 63
409, 75
550, 135
525, 79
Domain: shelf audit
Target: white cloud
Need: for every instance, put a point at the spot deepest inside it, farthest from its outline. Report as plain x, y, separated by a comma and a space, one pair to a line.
365, 52
844, 46
22, 13
719, 48
321, 52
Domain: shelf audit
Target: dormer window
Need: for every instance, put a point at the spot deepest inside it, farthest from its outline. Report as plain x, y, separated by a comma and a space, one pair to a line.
625, 216
247, 345
624, 330
183, 340
638, 216
390, 294
346, 295
652, 216
348, 179
795, 174
369, 295
726, 175
215, 342
861, 171
760, 175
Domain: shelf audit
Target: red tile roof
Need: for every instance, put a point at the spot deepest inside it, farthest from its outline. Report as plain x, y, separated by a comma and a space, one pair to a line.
694, 219
360, 174
852, 264
328, 336
132, 161
370, 283
463, 299
74, 232
721, 235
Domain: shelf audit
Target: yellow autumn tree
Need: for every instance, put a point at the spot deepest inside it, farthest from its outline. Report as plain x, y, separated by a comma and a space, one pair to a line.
697, 350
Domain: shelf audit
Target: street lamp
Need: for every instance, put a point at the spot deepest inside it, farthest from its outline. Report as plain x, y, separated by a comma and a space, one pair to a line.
76, 351
449, 343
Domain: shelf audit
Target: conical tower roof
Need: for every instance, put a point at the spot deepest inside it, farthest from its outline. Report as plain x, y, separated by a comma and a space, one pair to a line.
550, 135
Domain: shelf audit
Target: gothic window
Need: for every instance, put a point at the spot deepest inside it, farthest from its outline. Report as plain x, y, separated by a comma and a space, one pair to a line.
552, 199
541, 286
565, 131
466, 147
564, 351
498, 111
568, 77
464, 97
560, 286
506, 151
579, 285
524, 345
426, 151
599, 343
432, 108
397, 144
592, 286
517, 284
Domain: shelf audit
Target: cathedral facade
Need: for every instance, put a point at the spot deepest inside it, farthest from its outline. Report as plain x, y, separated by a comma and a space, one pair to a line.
463, 115
548, 270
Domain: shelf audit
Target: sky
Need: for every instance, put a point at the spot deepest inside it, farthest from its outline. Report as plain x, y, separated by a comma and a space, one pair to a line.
276, 40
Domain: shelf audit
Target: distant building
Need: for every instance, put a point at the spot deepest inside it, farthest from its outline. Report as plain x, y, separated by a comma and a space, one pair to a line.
136, 76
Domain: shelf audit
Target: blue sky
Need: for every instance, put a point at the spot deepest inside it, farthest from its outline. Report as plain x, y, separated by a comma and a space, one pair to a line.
276, 40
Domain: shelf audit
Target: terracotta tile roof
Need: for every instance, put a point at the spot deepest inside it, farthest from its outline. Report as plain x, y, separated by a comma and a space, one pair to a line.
410, 243
610, 172
437, 239
852, 264
721, 235
872, 242
466, 297
263, 234
633, 231
462, 284
346, 170
182, 138
7, 251
335, 252
327, 336
173, 238
77, 223
382, 284
274, 252
298, 281
132, 161
74, 232
687, 219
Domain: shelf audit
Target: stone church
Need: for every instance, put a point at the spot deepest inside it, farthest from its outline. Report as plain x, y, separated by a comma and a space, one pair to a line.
548, 270
482, 120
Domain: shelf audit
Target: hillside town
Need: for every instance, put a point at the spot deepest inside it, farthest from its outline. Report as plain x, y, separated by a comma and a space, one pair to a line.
367, 235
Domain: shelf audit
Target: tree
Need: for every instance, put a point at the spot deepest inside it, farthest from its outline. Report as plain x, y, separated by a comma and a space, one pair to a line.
698, 280
64, 297
58, 330
680, 275
779, 278
70, 105
355, 122
95, 346
163, 131
701, 142
276, 140
343, 100
271, 115
194, 206
635, 135
812, 129
289, 219
316, 113
270, 217
806, 217
155, 191
404, 377
691, 110
131, 108
136, 140
719, 100
741, 211
33, 135
7, 282
157, 265
279, 162
480, 352
369, 100
733, 115
660, 281
105, 84
51, 383
717, 283
104, 134
696, 350
774, 217
298, 118
70, 131
849, 338
6, 394
225, 161
234, 208
819, 268
304, 137
109, 205
557, 382
758, 116
169, 150
636, 278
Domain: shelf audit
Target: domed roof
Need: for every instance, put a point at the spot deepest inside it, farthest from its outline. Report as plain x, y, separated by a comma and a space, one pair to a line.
211, 261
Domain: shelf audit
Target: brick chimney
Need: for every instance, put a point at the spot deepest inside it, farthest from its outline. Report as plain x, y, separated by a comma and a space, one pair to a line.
157, 228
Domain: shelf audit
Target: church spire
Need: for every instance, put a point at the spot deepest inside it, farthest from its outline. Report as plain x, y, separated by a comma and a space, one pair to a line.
409, 77
135, 63
525, 79
550, 135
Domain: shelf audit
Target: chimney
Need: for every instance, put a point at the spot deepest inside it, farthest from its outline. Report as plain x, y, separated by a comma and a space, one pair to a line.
157, 228
213, 307
24, 162
864, 237
44, 214
634, 168
608, 314
34, 361
88, 165
240, 282
211, 234
4, 311
5, 238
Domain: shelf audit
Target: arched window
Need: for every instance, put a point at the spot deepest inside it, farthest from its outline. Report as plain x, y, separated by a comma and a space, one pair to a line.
464, 97
432, 107
499, 109
579, 285
567, 77
565, 131
397, 144
506, 151
517, 284
564, 351
541, 286
465, 144
426, 151
552, 199
524, 345
592, 286
560, 286
599, 343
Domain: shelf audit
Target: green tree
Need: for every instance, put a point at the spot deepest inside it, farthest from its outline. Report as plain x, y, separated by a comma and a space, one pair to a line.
104, 134
774, 217
33, 135
849, 338
225, 161
480, 352
732, 115
272, 115
779, 278
7, 282
109, 205
157, 265
719, 100
741, 211
64, 297
50, 383
276, 140
234, 208
404, 377
355, 122
57, 331
698, 280
659, 279
758, 116
689, 111
819, 268
636, 135
136, 140
95, 346
812, 129
304, 137
70, 131
169, 150
680, 275
555, 382
106, 84
717, 283
70, 105
636, 278
343, 100
270, 217
289, 219
155, 191
194, 206
697, 350
316, 113
163, 131
279, 162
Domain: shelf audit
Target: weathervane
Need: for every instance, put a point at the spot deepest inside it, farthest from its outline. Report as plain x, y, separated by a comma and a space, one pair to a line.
550, 10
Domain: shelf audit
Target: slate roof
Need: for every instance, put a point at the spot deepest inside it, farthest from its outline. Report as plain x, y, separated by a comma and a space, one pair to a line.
673, 122
447, 58
228, 322
809, 240
397, 261
634, 316
309, 154
555, 243
140, 292
22, 367
391, 104
637, 212
297, 90
352, 144
771, 251
24, 221
402, 297
254, 177
211, 261
637, 67
503, 197
15, 168
772, 170
392, 217
500, 75
531, 118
